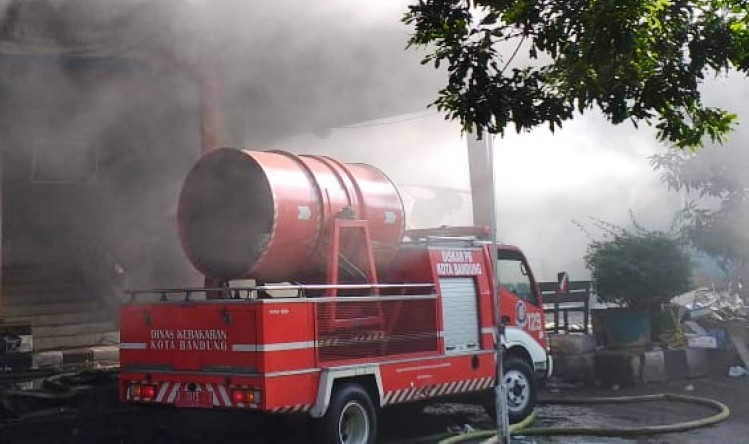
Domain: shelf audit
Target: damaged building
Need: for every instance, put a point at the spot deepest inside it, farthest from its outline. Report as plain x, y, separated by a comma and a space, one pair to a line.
107, 104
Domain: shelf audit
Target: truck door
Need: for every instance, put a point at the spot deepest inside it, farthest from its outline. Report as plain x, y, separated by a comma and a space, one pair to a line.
519, 298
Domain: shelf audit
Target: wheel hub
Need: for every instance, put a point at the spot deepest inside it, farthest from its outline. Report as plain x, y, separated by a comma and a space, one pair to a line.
353, 427
518, 390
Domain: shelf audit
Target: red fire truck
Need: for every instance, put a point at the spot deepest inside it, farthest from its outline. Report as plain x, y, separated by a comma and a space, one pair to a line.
347, 312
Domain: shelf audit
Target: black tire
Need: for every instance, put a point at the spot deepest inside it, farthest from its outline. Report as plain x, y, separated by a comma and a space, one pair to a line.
350, 419
522, 388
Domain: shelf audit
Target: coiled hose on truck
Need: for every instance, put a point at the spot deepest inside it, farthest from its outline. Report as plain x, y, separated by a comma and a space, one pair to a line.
522, 427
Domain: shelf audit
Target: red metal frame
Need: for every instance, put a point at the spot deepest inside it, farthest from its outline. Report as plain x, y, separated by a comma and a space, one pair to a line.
353, 231
334, 254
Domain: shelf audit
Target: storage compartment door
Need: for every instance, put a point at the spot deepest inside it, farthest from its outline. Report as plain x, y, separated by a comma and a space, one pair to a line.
460, 314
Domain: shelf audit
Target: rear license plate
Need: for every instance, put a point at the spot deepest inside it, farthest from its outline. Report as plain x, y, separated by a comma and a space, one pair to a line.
186, 398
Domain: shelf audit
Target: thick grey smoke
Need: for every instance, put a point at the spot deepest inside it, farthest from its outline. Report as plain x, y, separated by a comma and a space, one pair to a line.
293, 66
103, 106
118, 79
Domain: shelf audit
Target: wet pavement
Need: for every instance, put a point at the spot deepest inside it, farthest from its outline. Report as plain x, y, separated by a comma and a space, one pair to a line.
734, 392
95, 416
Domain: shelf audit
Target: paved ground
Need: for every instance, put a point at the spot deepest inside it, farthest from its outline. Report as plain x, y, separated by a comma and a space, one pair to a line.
98, 418
734, 392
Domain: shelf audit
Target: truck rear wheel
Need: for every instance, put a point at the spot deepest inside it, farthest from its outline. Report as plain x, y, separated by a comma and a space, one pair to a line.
520, 383
351, 417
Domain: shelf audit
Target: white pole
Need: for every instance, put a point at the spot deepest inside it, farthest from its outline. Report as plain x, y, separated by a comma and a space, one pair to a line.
483, 183
500, 391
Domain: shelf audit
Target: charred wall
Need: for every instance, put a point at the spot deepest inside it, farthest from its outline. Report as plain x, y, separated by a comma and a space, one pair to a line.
93, 156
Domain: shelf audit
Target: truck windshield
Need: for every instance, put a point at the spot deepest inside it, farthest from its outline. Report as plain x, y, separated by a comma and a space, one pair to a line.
514, 277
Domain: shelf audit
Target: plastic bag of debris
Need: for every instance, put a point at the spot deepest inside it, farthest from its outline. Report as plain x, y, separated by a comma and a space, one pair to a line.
706, 302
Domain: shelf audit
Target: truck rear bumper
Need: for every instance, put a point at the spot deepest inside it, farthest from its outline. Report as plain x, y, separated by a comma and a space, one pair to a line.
194, 390
185, 394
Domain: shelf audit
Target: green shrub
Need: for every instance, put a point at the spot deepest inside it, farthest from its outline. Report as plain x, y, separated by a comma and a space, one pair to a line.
638, 269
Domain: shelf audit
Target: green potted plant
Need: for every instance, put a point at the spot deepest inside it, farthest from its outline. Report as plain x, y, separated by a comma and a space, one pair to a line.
635, 272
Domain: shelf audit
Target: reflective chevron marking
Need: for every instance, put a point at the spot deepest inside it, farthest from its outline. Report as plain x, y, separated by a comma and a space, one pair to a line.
448, 388
294, 408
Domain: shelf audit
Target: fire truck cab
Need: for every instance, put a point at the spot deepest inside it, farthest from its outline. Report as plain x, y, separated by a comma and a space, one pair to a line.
358, 335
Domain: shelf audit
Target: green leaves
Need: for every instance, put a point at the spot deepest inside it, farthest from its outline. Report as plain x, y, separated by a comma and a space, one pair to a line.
635, 60
638, 268
716, 222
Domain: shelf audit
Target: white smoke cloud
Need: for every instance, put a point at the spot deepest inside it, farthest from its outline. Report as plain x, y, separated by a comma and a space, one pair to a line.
589, 169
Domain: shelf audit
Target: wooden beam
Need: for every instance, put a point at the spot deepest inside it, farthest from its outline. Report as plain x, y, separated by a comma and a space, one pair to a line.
210, 103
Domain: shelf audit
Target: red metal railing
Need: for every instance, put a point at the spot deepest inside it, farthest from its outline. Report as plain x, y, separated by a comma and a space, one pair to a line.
376, 327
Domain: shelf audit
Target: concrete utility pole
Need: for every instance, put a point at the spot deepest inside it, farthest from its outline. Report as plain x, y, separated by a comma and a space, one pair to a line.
483, 194
481, 173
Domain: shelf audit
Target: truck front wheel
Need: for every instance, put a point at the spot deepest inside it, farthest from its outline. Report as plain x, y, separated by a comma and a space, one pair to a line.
520, 383
351, 417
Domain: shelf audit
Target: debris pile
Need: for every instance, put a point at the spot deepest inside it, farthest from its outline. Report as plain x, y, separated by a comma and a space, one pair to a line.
705, 302
715, 319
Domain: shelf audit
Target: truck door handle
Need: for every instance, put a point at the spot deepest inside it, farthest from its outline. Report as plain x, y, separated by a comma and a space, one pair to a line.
505, 320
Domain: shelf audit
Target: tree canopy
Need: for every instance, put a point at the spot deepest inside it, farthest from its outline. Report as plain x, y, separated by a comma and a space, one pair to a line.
715, 217
636, 60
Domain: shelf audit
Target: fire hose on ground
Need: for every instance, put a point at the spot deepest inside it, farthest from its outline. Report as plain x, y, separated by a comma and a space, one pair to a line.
523, 428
